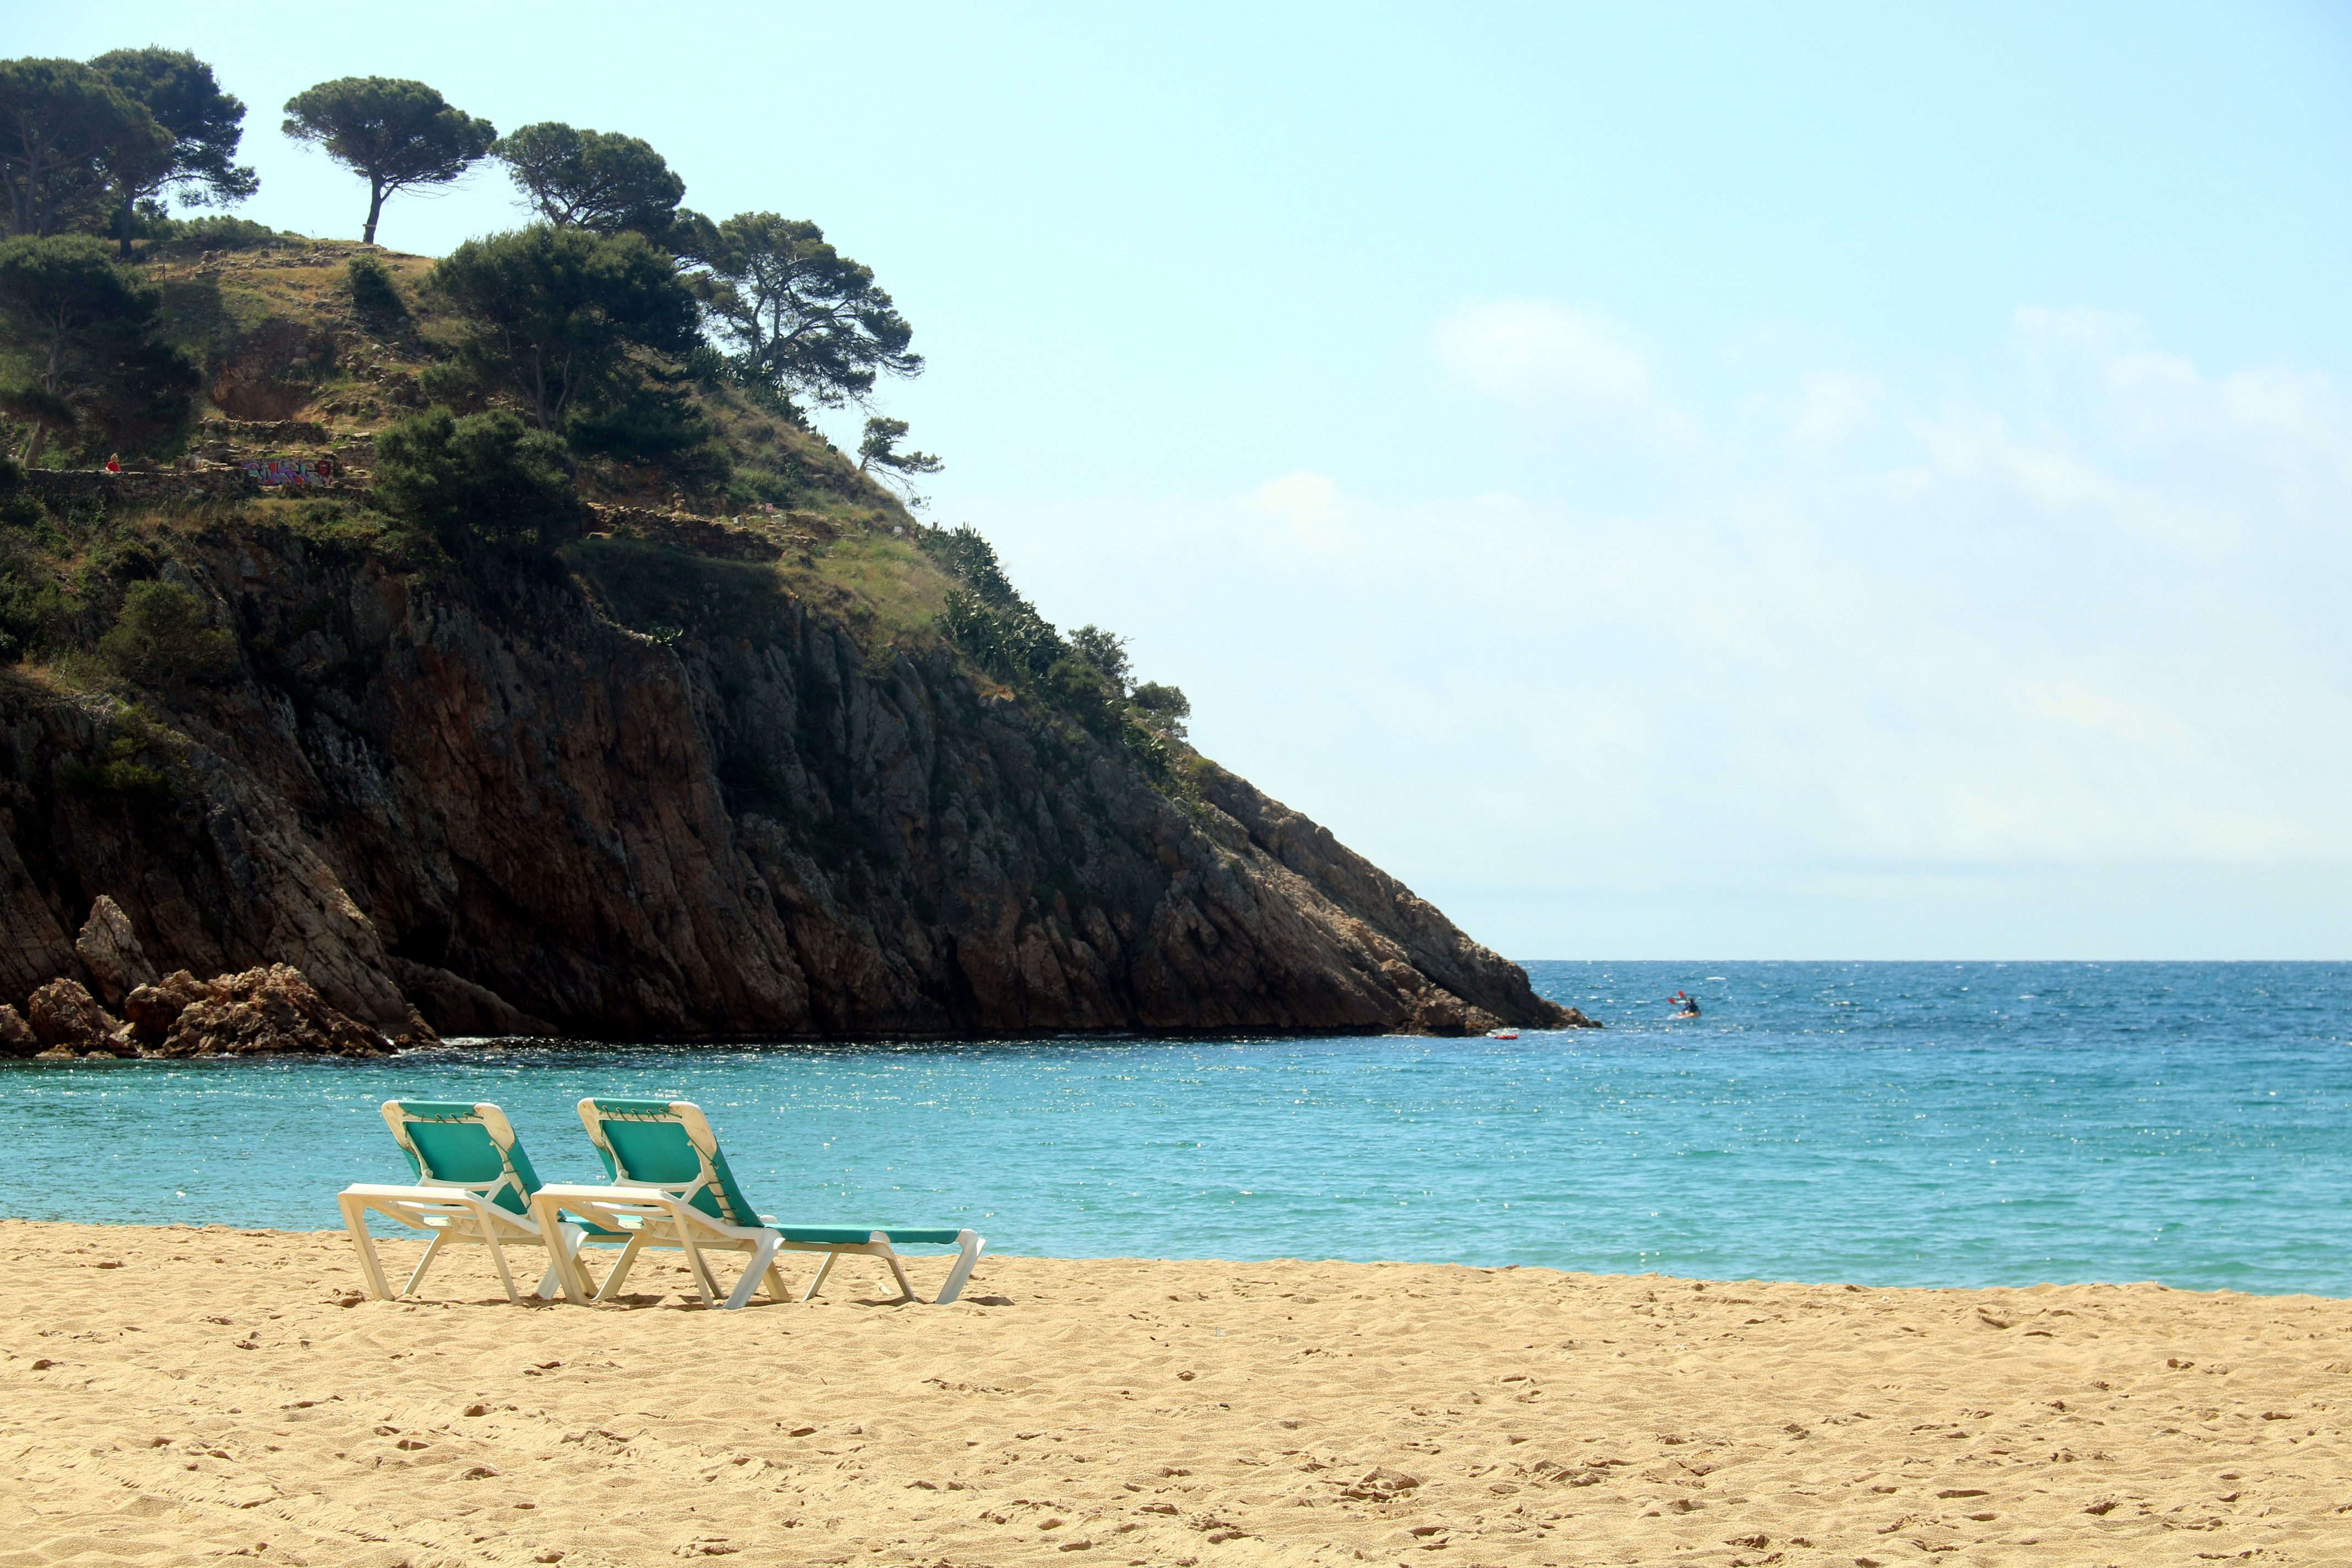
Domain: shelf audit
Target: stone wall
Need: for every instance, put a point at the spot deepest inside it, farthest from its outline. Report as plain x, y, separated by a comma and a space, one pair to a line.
71, 487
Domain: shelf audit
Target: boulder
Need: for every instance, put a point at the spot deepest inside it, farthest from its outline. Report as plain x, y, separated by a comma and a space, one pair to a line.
110, 950
16, 1037
265, 1011
66, 1018
154, 1010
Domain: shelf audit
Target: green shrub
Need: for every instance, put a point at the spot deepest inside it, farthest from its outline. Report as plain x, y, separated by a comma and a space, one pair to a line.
161, 640
646, 421
560, 317
133, 781
1016, 645
962, 553
458, 387
1106, 651
22, 511
1166, 706
88, 329
1152, 751
374, 293
219, 231
487, 479
33, 609
1075, 686
120, 777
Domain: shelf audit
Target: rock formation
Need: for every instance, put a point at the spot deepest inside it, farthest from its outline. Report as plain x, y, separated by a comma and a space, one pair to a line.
109, 952
273, 1010
266, 1011
66, 1018
492, 806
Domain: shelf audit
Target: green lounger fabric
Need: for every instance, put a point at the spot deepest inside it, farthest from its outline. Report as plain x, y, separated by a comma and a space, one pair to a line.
656, 1149
445, 1142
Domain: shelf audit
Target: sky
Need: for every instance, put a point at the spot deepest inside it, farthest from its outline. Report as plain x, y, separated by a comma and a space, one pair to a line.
1664, 480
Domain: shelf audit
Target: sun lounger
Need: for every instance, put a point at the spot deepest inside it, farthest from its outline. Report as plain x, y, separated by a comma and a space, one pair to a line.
671, 1188
474, 1185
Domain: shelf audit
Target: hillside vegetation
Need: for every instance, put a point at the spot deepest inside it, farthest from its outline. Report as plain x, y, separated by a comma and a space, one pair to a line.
540, 400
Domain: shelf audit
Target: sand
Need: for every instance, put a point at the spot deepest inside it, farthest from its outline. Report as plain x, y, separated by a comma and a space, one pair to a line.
173, 1396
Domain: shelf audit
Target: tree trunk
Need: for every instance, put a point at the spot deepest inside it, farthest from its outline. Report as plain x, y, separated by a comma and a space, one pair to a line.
122, 224
375, 210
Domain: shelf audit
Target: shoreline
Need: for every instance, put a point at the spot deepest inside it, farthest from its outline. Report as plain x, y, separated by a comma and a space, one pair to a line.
195, 1392
1653, 1278
753, 1040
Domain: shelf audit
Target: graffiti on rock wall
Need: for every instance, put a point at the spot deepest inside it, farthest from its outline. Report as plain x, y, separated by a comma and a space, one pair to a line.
291, 470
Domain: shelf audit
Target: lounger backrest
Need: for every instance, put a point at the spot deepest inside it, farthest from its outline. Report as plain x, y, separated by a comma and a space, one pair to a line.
666, 1144
458, 1145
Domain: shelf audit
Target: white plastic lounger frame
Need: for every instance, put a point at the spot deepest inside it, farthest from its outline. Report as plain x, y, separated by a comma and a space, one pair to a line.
671, 1188
474, 1185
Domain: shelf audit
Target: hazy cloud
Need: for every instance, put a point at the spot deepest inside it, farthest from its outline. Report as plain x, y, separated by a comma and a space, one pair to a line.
2081, 621
1550, 362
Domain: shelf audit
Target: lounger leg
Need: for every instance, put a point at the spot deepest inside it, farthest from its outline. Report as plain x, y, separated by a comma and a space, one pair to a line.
562, 1249
763, 1253
899, 1271
777, 1290
817, 1284
370, 1266
575, 1258
498, 1257
696, 1266
968, 1248
431, 1248
620, 1274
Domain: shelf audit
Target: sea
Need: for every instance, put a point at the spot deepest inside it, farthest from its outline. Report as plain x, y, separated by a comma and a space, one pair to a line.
1927, 1125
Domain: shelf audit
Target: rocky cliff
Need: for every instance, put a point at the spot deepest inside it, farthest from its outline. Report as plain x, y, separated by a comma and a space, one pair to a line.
529, 799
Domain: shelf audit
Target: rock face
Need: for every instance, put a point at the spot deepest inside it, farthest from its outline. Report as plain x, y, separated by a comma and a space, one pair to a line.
109, 949
492, 807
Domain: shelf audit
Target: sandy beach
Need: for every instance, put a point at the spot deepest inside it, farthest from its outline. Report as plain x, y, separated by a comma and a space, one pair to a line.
173, 1396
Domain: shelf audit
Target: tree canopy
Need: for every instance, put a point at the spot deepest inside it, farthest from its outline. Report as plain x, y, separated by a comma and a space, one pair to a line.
204, 123
85, 327
554, 312
801, 316
596, 180
393, 133
879, 449
62, 124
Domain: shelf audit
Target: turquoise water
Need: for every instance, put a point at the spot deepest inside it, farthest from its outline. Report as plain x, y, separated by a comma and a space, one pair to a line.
1917, 1124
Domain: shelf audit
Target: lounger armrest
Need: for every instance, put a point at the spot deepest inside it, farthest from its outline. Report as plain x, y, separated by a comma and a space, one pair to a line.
641, 1202
409, 1205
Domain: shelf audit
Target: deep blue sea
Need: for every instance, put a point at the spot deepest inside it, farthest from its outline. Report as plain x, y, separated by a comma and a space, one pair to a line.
1884, 1123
